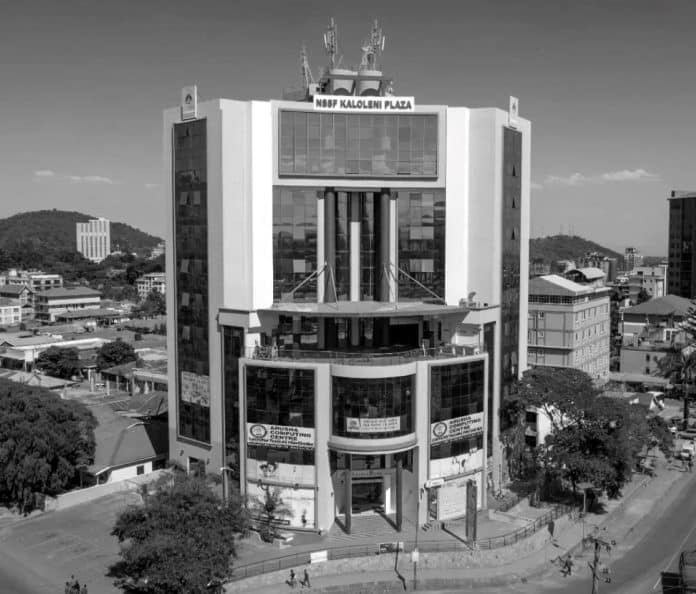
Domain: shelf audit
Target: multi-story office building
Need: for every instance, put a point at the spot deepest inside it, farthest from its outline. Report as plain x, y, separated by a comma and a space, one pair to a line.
632, 258
347, 296
94, 239
569, 325
681, 269
153, 281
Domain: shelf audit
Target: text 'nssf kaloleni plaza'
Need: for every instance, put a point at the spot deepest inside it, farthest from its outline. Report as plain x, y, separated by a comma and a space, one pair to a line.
348, 305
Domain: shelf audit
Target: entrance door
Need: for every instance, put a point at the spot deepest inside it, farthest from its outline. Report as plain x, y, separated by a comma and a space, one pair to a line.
367, 496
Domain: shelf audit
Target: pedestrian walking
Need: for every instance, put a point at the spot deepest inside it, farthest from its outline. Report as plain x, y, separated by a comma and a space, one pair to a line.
305, 582
68, 588
691, 464
292, 580
84, 589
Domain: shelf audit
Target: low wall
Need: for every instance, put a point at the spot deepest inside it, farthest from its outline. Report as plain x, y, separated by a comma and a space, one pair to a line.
72, 498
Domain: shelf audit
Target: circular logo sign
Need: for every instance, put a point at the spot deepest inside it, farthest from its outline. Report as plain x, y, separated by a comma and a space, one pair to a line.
439, 429
258, 431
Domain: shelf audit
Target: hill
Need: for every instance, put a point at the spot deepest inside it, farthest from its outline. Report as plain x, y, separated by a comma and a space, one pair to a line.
566, 247
54, 231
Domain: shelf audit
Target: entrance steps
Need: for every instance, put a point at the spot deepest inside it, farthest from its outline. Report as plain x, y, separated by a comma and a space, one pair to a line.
368, 528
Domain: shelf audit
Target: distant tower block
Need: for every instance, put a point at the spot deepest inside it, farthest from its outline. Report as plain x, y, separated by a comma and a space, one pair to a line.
94, 239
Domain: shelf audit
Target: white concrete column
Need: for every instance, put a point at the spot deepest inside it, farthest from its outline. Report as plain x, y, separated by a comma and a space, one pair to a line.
393, 249
320, 248
354, 234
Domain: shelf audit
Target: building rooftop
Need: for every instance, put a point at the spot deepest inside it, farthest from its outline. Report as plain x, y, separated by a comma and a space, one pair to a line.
590, 273
669, 305
14, 290
34, 379
682, 194
59, 292
122, 441
7, 302
553, 284
89, 313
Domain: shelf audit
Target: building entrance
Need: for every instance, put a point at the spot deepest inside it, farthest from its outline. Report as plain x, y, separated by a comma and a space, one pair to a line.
368, 496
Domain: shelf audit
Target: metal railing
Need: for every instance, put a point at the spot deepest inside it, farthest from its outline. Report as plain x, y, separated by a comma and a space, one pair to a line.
361, 358
240, 572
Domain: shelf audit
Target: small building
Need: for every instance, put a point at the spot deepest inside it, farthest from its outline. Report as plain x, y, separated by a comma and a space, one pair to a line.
35, 379
21, 352
10, 311
126, 447
36, 280
49, 304
154, 281
664, 315
91, 318
23, 294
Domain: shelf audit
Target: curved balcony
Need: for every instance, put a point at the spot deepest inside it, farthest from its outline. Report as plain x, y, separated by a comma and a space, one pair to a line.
377, 357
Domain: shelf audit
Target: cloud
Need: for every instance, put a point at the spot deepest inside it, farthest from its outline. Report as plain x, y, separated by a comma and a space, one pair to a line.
580, 179
536, 186
152, 186
48, 174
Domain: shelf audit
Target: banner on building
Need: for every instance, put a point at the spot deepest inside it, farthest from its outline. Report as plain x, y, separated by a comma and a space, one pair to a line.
457, 428
283, 436
195, 388
363, 104
380, 425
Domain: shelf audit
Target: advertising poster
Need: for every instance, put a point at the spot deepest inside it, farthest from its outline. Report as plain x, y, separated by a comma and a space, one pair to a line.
195, 388
457, 428
282, 436
382, 425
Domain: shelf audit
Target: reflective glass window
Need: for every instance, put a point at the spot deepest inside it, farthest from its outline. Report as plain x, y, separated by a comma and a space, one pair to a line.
280, 396
232, 344
421, 243
364, 145
373, 408
190, 203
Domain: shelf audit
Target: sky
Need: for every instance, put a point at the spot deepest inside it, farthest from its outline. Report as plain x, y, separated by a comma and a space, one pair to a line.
608, 85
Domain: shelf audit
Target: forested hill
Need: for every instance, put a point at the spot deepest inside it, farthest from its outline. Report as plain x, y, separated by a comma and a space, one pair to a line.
54, 231
565, 247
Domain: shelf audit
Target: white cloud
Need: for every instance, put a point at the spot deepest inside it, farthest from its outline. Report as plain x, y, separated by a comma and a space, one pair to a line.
536, 186
152, 186
44, 173
580, 179
90, 179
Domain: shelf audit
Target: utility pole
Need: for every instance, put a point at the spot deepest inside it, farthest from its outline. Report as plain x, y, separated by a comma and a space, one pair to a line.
599, 545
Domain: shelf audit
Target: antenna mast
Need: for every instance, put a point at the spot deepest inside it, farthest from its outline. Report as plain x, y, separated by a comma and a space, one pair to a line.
373, 48
307, 77
331, 43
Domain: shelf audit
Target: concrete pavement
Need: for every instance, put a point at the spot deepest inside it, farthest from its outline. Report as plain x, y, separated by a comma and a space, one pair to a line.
626, 520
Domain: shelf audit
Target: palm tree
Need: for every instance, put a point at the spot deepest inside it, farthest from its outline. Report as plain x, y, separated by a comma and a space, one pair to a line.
679, 366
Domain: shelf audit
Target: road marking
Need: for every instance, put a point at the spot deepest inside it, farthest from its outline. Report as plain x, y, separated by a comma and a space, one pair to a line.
657, 583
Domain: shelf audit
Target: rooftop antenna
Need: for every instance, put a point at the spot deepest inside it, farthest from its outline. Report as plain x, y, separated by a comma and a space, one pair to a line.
331, 43
373, 47
307, 77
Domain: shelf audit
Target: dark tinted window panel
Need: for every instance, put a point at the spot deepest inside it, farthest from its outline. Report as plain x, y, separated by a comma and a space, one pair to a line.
280, 396
233, 345
362, 145
191, 278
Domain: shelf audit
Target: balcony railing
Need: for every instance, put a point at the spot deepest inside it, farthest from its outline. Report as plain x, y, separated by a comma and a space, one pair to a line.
377, 357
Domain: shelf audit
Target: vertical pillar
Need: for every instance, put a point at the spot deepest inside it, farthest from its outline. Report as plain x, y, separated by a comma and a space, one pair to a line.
354, 234
399, 493
348, 497
383, 265
321, 257
329, 245
393, 249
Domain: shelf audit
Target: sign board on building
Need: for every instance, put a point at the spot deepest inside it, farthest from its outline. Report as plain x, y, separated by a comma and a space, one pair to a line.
434, 483
189, 102
380, 425
513, 112
195, 388
363, 104
260, 434
457, 428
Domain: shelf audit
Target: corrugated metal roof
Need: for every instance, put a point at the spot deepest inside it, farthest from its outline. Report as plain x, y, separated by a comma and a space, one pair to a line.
553, 284
669, 305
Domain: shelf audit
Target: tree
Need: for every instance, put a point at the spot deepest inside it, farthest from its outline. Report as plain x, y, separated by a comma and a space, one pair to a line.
643, 296
115, 353
180, 539
59, 362
268, 510
594, 438
154, 304
44, 442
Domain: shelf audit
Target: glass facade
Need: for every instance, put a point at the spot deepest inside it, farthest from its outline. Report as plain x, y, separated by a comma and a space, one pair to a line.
191, 279
280, 396
342, 266
233, 350
421, 226
510, 306
363, 145
294, 243
368, 246
456, 391
373, 408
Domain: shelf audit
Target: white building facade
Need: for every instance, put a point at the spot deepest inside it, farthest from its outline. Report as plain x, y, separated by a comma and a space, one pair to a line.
153, 281
347, 300
94, 239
